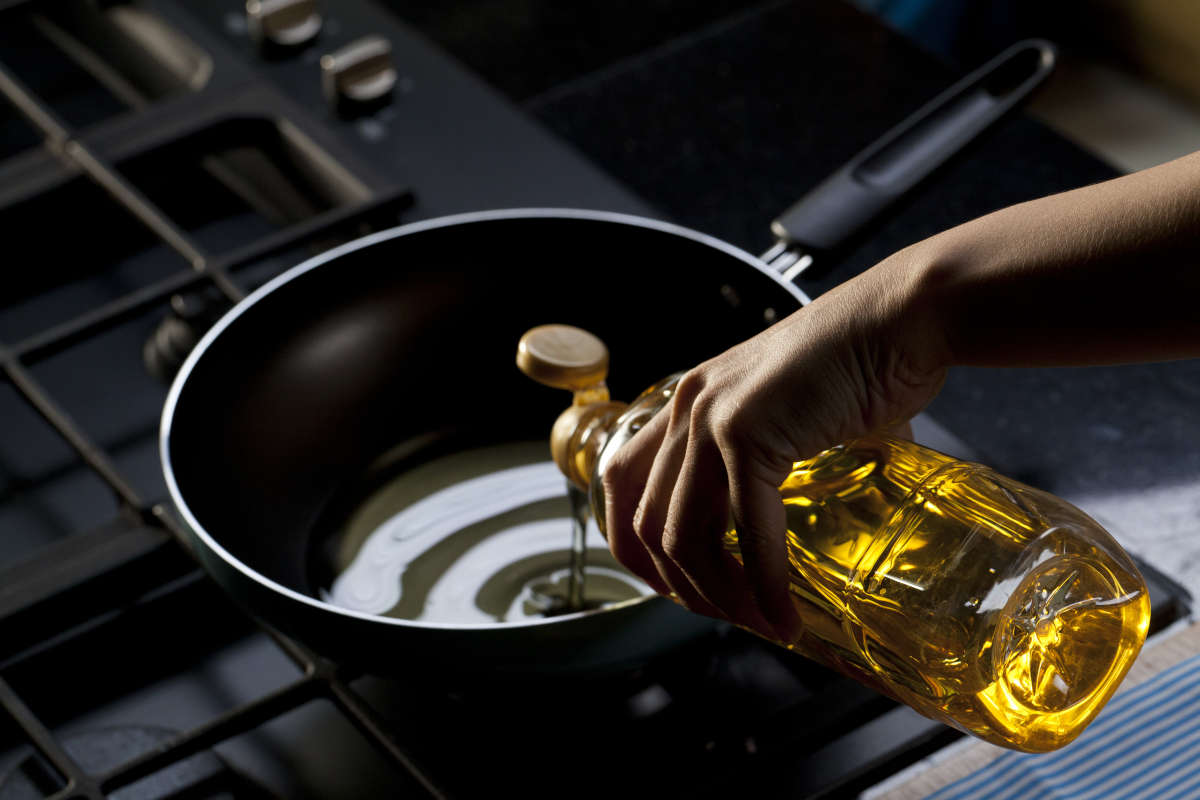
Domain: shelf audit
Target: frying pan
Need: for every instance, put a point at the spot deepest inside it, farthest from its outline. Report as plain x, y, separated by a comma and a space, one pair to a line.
402, 342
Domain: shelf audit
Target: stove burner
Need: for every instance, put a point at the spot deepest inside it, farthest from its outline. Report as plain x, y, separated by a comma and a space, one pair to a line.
97, 751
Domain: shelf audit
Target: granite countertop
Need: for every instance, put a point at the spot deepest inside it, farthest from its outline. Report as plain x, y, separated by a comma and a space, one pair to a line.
721, 116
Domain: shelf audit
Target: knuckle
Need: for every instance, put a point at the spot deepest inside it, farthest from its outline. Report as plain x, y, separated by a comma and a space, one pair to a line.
644, 530
622, 552
728, 429
704, 409
612, 484
616, 472
690, 386
713, 419
674, 547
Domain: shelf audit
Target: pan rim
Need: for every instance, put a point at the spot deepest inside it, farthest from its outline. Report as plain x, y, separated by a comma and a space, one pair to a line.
208, 541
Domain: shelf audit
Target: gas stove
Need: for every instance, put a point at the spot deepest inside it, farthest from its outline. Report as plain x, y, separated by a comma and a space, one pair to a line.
159, 160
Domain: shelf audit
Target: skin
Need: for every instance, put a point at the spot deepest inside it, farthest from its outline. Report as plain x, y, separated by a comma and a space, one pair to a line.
1105, 274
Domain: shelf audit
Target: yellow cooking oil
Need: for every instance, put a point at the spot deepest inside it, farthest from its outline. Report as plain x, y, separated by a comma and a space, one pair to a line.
981, 602
976, 600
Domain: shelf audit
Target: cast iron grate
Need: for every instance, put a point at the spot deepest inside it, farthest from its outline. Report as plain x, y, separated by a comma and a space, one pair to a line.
61, 587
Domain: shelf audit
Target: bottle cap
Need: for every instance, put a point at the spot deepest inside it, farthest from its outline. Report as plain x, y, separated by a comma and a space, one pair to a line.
570, 358
563, 356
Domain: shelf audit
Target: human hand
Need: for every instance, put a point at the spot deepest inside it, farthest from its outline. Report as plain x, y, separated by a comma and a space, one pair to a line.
1029, 285
860, 358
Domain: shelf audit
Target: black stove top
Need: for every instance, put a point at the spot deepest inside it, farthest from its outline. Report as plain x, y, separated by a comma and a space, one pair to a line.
156, 164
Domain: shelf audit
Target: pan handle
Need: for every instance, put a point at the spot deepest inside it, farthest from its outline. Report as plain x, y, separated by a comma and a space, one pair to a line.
845, 202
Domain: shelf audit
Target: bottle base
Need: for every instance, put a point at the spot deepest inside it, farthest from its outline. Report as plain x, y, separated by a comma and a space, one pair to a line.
1068, 635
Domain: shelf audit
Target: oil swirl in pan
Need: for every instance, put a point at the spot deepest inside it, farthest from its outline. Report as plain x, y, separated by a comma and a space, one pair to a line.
482, 536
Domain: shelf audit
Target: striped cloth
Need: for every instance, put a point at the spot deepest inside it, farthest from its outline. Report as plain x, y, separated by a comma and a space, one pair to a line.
1144, 744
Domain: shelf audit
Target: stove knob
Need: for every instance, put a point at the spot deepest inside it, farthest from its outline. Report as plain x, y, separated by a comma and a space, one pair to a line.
285, 24
177, 333
359, 75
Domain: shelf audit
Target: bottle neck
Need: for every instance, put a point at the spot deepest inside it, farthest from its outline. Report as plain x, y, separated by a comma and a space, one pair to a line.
579, 435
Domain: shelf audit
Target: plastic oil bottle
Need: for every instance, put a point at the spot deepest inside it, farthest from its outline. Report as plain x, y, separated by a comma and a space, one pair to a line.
983, 603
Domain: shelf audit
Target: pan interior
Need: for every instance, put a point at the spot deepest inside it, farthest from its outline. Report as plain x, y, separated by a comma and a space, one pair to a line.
477, 535
406, 345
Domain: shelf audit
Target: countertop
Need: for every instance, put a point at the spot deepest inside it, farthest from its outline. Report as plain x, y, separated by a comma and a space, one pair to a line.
722, 116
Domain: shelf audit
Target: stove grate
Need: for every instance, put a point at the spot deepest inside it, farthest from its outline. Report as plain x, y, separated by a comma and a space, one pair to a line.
92, 567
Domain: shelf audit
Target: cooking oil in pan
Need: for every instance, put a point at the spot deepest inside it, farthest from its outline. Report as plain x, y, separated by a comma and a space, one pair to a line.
475, 537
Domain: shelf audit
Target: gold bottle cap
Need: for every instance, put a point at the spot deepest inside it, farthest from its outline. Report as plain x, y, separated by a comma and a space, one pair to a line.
563, 356
571, 358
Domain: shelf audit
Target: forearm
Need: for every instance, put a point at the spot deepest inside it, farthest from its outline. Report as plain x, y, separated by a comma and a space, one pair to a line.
1104, 274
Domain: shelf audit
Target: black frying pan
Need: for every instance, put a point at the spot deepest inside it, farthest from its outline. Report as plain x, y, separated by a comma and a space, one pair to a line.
403, 342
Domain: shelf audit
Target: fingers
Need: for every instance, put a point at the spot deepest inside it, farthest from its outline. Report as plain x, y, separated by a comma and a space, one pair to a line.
624, 481
694, 536
664, 486
667, 508
758, 516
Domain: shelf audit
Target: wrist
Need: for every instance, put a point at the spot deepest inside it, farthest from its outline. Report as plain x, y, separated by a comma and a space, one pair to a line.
887, 328
919, 321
